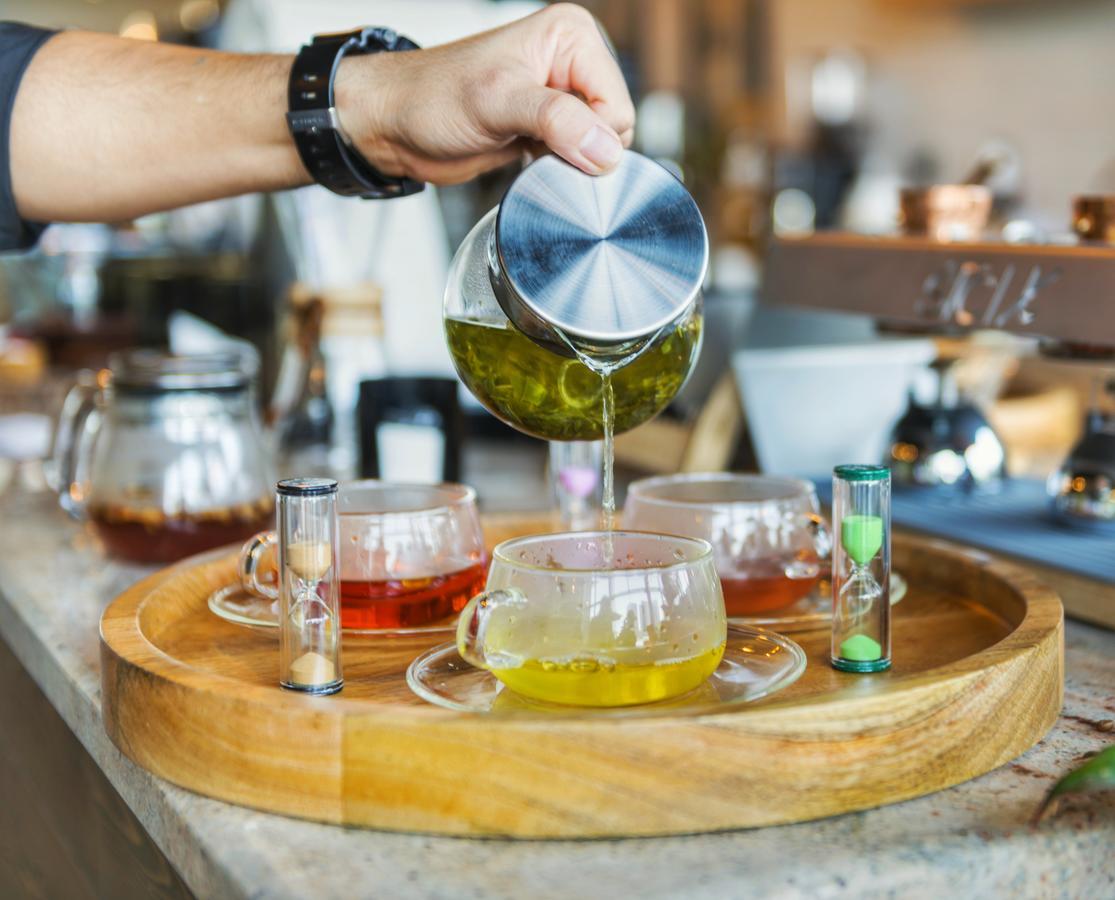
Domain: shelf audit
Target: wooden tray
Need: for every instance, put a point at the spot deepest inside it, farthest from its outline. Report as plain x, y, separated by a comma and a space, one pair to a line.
977, 679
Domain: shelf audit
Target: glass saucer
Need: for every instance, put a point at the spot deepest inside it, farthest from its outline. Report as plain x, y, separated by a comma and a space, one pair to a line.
234, 604
812, 611
756, 664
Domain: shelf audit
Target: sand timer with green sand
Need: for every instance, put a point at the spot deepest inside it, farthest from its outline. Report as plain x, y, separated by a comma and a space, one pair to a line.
860, 615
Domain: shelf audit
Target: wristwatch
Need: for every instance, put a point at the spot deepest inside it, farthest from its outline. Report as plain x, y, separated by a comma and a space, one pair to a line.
326, 151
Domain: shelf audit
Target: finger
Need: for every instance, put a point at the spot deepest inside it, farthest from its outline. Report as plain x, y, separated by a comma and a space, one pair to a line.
565, 124
584, 64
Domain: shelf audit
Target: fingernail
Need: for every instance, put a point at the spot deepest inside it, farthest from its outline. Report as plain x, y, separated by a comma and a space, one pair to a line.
601, 147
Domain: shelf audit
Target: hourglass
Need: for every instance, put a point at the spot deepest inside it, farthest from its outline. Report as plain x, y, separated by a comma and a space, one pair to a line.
309, 610
861, 569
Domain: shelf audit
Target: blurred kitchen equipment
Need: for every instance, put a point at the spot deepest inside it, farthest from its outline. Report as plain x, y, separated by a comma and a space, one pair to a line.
164, 454
575, 482
625, 256
1060, 292
1084, 488
945, 212
811, 407
410, 429
1055, 291
300, 409
1093, 217
946, 442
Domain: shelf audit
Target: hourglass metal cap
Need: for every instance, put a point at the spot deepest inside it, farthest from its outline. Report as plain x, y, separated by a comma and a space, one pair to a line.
604, 259
862, 473
306, 487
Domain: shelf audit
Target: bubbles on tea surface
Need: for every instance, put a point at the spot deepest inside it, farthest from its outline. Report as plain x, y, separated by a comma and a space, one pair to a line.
678, 555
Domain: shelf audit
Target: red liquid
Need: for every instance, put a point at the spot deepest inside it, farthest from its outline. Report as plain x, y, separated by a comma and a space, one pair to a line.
152, 536
747, 596
409, 603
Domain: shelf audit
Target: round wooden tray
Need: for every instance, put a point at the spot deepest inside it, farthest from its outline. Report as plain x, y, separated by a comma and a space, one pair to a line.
977, 679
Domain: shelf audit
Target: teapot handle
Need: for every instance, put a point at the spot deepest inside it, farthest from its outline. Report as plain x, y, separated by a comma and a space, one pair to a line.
473, 623
65, 455
250, 557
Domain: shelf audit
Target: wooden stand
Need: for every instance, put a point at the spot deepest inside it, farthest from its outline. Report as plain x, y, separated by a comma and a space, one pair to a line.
977, 679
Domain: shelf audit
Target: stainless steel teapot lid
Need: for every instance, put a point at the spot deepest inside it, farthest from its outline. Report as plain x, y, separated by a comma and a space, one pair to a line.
605, 259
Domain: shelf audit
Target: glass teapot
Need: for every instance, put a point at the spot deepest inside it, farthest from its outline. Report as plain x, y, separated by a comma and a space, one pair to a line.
572, 276
164, 455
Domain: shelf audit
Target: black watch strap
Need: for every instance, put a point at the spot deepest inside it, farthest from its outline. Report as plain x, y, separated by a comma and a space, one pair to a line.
325, 149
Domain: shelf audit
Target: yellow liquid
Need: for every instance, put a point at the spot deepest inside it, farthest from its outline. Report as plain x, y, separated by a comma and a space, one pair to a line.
588, 682
555, 398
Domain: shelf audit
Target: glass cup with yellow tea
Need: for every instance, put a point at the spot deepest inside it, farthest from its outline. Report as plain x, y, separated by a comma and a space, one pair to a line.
559, 622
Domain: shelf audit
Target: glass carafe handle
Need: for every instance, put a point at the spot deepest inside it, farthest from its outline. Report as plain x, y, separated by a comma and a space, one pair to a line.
65, 454
472, 626
251, 557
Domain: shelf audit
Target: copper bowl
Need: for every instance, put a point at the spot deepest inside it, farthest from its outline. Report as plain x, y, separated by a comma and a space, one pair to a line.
945, 212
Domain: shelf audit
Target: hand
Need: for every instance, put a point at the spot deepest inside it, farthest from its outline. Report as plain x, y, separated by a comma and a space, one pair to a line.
448, 113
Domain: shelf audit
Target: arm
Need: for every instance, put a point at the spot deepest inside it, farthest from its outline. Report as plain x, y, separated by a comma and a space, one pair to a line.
105, 128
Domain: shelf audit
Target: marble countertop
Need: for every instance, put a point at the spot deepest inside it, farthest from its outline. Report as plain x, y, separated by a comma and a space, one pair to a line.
971, 840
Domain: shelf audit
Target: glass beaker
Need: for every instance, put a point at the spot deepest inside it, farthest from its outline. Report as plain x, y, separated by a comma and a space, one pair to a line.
560, 623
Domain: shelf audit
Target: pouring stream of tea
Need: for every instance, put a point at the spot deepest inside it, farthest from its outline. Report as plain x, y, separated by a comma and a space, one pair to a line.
608, 403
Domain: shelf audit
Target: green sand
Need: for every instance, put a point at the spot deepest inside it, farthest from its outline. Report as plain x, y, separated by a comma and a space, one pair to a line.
861, 537
861, 648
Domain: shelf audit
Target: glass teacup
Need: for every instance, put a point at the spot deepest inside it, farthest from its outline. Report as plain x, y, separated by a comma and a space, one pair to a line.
559, 622
767, 534
411, 554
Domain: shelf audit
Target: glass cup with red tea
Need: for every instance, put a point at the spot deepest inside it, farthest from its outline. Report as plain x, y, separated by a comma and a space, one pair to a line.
411, 555
769, 540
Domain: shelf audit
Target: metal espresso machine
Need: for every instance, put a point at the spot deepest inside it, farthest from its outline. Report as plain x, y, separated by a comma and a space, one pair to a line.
943, 276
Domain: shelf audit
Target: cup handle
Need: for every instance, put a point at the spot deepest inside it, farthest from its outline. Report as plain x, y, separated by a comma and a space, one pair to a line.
250, 557
473, 623
66, 452
822, 535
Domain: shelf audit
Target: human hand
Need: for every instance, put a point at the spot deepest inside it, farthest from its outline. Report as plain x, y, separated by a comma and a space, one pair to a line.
448, 113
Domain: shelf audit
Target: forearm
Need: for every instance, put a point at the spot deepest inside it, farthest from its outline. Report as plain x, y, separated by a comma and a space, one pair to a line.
105, 128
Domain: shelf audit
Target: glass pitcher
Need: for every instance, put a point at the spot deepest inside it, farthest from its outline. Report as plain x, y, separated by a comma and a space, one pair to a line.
571, 274
164, 455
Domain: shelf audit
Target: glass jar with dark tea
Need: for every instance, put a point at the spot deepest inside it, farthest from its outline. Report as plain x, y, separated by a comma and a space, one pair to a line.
175, 463
571, 283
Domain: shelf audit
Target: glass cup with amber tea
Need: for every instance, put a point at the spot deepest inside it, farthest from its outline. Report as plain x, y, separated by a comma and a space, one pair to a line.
561, 623
164, 454
411, 555
770, 542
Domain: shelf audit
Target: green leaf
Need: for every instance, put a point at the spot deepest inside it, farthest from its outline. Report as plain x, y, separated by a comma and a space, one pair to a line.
1097, 774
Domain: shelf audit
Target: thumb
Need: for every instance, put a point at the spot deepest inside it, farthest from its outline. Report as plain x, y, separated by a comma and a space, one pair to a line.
568, 126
